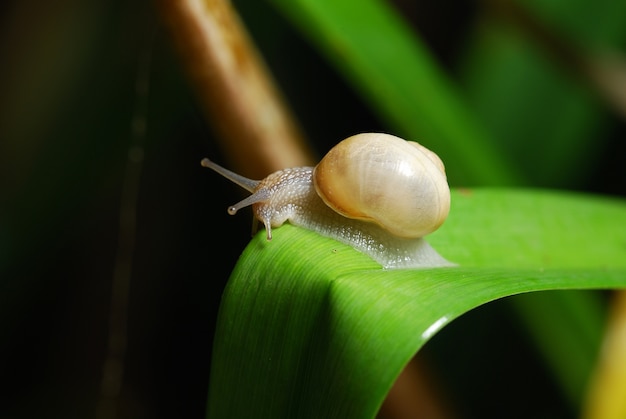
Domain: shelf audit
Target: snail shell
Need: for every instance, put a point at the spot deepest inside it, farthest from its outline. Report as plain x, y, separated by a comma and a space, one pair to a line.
376, 192
397, 184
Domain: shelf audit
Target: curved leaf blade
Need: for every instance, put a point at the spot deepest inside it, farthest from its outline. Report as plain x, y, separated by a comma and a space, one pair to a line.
311, 328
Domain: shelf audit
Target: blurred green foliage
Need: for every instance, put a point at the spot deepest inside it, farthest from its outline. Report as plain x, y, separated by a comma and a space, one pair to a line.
68, 76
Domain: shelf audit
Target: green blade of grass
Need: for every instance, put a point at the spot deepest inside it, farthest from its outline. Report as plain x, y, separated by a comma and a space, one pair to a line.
529, 81
309, 327
385, 62
542, 114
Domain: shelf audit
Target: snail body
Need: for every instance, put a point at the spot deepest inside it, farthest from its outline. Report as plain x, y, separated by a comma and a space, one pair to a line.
376, 192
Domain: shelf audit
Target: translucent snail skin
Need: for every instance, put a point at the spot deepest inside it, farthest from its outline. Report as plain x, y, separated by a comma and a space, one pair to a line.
375, 192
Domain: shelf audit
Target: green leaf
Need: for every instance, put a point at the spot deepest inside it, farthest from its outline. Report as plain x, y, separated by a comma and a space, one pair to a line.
309, 327
384, 60
531, 98
558, 116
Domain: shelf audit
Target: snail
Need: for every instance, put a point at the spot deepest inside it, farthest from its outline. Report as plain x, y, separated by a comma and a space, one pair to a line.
373, 191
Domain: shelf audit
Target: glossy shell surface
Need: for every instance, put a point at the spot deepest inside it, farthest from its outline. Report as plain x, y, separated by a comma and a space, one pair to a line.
397, 184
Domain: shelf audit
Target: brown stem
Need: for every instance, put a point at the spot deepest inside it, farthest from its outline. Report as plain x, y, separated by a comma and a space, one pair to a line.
254, 127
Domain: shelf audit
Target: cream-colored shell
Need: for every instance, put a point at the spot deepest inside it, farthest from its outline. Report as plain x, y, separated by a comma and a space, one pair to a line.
377, 177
